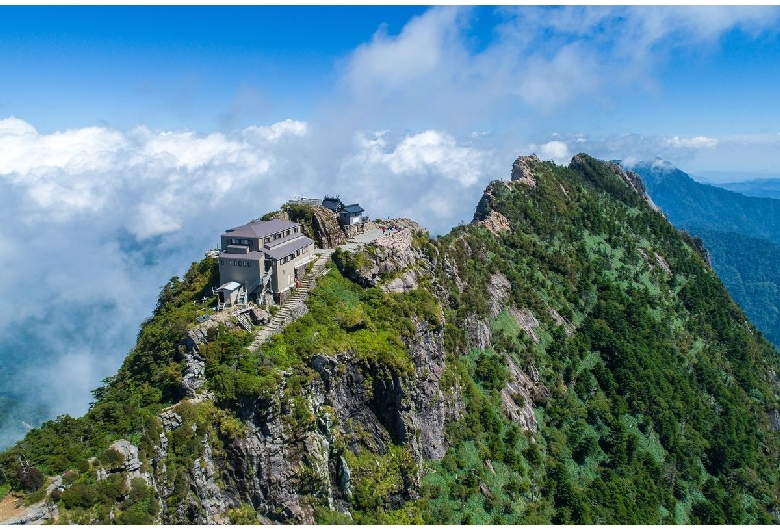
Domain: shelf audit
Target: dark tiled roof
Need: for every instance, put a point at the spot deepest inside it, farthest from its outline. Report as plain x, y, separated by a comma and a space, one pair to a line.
332, 203
353, 208
281, 251
259, 229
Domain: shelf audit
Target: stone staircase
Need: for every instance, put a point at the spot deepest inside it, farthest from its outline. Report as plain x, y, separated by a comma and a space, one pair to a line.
295, 306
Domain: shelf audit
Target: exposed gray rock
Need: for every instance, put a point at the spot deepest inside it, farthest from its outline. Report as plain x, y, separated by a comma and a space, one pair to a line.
403, 284
478, 332
517, 397
391, 252
431, 407
131, 464
39, 513
498, 290
170, 420
568, 327
194, 376
522, 172
527, 321
214, 503
259, 316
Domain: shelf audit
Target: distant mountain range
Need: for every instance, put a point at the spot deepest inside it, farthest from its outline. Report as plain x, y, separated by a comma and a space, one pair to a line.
769, 187
742, 234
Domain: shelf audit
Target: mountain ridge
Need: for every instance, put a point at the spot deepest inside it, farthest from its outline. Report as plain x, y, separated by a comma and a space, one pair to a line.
567, 357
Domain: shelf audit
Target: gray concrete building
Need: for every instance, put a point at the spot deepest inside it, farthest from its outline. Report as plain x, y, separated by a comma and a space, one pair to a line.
264, 258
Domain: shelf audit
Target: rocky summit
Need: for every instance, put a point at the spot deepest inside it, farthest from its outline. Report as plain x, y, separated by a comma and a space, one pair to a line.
567, 357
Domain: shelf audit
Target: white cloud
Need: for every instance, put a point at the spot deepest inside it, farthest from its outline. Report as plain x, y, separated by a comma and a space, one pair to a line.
554, 150
392, 62
696, 142
429, 176
429, 153
166, 174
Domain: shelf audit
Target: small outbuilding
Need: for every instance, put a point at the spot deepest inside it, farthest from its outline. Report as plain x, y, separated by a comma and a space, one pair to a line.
229, 293
351, 215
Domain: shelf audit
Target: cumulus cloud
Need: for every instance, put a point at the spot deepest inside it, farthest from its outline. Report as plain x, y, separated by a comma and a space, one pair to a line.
429, 152
554, 150
165, 174
426, 176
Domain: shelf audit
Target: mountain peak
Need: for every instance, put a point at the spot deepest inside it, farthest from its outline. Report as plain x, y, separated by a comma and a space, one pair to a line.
522, 169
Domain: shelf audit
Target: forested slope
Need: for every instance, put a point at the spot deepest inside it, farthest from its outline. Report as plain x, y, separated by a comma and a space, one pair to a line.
741, 233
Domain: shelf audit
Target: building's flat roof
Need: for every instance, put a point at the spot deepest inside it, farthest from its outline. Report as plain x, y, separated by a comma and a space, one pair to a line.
237, 249
281, 251
229, 286
259, 228
281, 241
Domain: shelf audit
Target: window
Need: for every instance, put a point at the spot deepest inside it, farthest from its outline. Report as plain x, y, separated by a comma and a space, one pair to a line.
245, 242
246, 264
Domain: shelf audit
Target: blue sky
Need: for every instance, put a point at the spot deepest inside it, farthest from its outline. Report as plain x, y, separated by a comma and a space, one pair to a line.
131, 137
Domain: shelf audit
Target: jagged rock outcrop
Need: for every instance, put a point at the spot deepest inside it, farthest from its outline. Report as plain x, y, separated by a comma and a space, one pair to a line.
517, 396
522, 172
318, 223
495, 222
393, 255
699, 246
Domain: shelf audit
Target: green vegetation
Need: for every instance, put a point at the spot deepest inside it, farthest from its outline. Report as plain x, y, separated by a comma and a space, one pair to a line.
750, 269
343, 317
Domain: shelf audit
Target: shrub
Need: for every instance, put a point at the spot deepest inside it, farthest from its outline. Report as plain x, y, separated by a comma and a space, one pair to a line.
29, 478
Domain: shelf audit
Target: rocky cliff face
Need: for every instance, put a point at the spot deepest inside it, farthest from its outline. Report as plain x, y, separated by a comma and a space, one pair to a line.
287, 455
